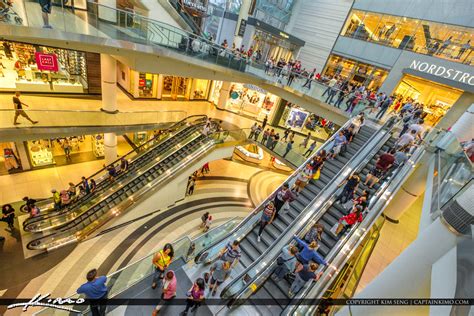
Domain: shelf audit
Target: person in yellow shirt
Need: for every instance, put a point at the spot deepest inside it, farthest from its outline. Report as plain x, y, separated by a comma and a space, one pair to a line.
161, 261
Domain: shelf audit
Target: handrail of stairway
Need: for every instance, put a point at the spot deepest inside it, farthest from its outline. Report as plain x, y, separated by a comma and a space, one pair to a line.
150, 141
346, 245
203, 256
316, 206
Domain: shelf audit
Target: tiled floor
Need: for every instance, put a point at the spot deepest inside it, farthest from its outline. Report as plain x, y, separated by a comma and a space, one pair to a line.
394, 238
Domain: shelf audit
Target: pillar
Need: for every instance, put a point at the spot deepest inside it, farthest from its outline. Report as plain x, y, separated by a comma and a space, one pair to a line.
464, 102
409, 275
159, 93
410, 191
107, 10
223, 95
110, 147
108, 70
23, 155
243, 15
463, 127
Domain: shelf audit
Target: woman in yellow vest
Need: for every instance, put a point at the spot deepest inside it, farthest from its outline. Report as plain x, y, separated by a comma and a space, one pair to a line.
161, 261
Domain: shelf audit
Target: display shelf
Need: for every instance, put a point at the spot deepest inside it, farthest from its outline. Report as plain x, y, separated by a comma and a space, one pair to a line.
98, 145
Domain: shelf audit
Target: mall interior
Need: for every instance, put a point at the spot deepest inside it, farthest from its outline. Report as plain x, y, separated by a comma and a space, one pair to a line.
237, 157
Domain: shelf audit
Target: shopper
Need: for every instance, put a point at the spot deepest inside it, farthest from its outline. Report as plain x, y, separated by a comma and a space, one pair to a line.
231, 253
65, 199
275, 141
220, 271
362, 200
195, 296
308, 252
204, 218
314, 234
285, 263
208, 223
253, 129
82, 191
93, 185
406, 140
351, 184
168, 290
123, 165
71, 191
401, 157
311, 148
56, 199
384, 107
305, 141
111, 171
289, 146
282, 196
67, 148
286, 133
347, 221
46, 6
307, 273
339, 141
8, 215
85, 184
161, 260
95, 290
383, 164
265, 136
191, 185
265, 121
302, 179
268, 214
18, 106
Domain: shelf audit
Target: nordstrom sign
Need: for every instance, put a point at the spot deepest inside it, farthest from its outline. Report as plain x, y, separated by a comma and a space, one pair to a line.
440, 71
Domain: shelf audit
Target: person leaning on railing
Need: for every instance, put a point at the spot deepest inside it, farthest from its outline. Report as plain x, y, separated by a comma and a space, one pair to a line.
161, 260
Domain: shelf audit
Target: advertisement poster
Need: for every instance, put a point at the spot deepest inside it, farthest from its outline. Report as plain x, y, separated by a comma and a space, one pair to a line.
296, 118
47, 61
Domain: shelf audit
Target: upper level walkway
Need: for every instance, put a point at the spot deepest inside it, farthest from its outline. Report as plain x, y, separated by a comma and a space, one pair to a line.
152, 46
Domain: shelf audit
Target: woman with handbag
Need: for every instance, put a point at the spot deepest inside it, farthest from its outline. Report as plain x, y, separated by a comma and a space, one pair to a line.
161, 261
168, 291
268, 215
195, 296
346, 222
286, 263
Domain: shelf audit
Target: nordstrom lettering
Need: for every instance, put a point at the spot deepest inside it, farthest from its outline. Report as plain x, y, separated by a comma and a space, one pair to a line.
440, 71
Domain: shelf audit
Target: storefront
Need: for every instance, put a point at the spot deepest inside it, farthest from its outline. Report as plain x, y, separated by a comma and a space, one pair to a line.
49, 152
246, 99
9, 159
35, 68
158, 86
355, 72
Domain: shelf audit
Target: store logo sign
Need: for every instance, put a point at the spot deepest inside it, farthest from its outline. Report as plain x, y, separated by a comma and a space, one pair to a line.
47, 62
196, 5
443, 72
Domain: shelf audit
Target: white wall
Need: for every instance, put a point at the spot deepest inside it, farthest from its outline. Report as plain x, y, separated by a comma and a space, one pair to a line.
318, 23
157, 12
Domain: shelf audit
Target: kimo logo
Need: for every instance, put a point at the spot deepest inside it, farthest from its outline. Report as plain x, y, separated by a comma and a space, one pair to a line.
47, 61
443, 72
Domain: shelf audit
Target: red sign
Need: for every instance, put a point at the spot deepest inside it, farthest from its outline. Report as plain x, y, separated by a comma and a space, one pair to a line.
47, 62
141, 82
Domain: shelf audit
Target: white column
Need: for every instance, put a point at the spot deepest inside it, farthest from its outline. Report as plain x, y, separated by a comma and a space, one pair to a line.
463, 127
108, 69
410, 191
223, 95
243, 15
23, 155
110, 147
107, 10
409, 275
160, 87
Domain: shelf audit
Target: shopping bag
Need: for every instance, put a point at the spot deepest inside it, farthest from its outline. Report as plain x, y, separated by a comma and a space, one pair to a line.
334, 228
286, 206
317, 174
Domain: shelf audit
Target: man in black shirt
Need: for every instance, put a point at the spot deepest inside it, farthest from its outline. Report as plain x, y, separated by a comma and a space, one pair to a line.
18, 105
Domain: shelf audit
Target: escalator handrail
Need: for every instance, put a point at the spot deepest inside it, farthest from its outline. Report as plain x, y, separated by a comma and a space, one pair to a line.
110, 164
258, 208
206, 145
87, 213
303, 214
365, 225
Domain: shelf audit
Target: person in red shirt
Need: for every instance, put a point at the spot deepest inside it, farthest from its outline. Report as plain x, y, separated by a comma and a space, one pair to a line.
383, 164
346, 222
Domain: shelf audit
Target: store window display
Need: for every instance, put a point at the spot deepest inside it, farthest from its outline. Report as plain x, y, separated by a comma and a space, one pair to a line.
175, 87
215, 91
200, 89
250, 100
37, 68
445, 41
9, 160
146, 85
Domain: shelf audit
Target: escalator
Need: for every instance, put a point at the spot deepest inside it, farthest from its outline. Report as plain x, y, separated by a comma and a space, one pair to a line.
186, 15
55, 219
276, 293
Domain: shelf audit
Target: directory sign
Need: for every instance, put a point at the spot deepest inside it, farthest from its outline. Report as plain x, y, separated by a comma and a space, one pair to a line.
47, 61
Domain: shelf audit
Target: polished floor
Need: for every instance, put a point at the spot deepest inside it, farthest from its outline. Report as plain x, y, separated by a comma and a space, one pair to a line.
230, 190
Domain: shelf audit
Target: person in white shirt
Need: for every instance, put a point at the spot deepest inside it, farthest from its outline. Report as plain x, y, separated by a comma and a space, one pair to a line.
417, 128
331, 84
405, 140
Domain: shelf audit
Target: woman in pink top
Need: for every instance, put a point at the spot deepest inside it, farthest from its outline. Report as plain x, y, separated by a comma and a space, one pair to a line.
195, 296
168, 290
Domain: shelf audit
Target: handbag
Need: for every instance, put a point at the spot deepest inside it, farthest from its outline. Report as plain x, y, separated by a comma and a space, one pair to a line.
317, 174
334, 228
286, 206
281, 261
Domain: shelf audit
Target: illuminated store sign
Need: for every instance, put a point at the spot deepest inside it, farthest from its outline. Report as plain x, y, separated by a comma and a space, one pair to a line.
443, 72
47, 62
195, 5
